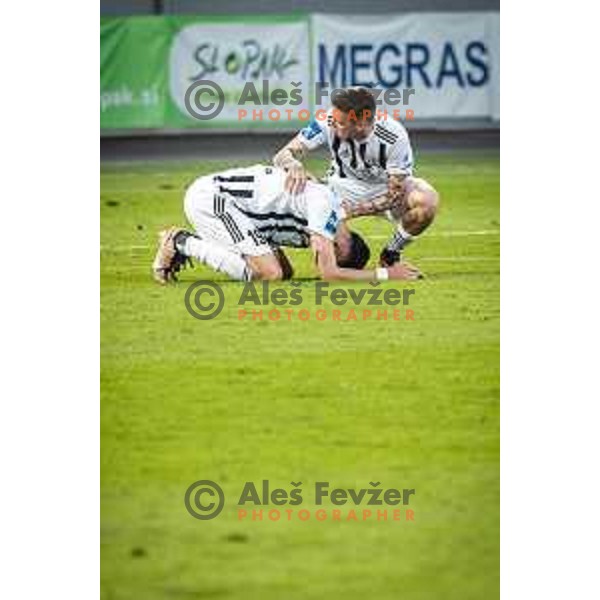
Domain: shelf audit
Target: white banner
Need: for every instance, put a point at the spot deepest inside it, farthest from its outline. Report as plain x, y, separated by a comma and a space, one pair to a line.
451, 60
248, 61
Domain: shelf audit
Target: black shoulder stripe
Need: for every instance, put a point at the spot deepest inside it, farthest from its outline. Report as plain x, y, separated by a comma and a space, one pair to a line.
385, 138
385, 135
388, 141
379, 127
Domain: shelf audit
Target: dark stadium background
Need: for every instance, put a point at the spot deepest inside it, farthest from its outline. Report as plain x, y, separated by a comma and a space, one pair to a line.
139, 145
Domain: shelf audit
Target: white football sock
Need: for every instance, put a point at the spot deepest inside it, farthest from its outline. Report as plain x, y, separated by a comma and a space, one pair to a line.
400, 239
217, 257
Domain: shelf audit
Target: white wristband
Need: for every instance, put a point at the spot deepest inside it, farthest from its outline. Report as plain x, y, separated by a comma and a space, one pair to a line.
381, 274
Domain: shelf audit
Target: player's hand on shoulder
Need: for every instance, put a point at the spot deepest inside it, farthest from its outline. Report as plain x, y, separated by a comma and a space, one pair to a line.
295, 179
404, 270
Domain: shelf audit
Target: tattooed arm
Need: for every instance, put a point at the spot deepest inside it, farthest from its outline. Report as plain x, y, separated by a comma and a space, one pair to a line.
392, 200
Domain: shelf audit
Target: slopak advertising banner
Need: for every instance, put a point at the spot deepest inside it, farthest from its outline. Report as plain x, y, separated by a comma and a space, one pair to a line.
149, 64
450, 60
176, 72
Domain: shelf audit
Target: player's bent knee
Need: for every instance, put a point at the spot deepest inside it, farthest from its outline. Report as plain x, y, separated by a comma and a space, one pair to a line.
425, 199
431, 201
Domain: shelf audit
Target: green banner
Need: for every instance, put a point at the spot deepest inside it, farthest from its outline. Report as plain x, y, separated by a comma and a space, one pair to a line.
149, 65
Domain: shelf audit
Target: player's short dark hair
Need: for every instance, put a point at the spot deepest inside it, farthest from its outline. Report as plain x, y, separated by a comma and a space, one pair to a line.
359, 253
356, 99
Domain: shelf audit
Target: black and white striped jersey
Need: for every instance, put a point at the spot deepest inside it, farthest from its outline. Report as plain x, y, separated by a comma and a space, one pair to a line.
280, 218
359, 169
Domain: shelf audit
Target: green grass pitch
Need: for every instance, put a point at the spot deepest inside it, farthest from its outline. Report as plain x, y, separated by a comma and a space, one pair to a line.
409, 404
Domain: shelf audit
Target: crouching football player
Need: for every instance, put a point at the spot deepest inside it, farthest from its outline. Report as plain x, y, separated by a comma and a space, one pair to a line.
371, 167
241, 218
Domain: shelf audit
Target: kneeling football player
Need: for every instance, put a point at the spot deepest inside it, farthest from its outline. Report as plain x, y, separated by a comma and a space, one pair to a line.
241, 218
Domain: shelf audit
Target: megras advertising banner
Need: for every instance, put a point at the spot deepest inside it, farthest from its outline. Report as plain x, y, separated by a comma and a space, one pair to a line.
149, 63
450, 60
